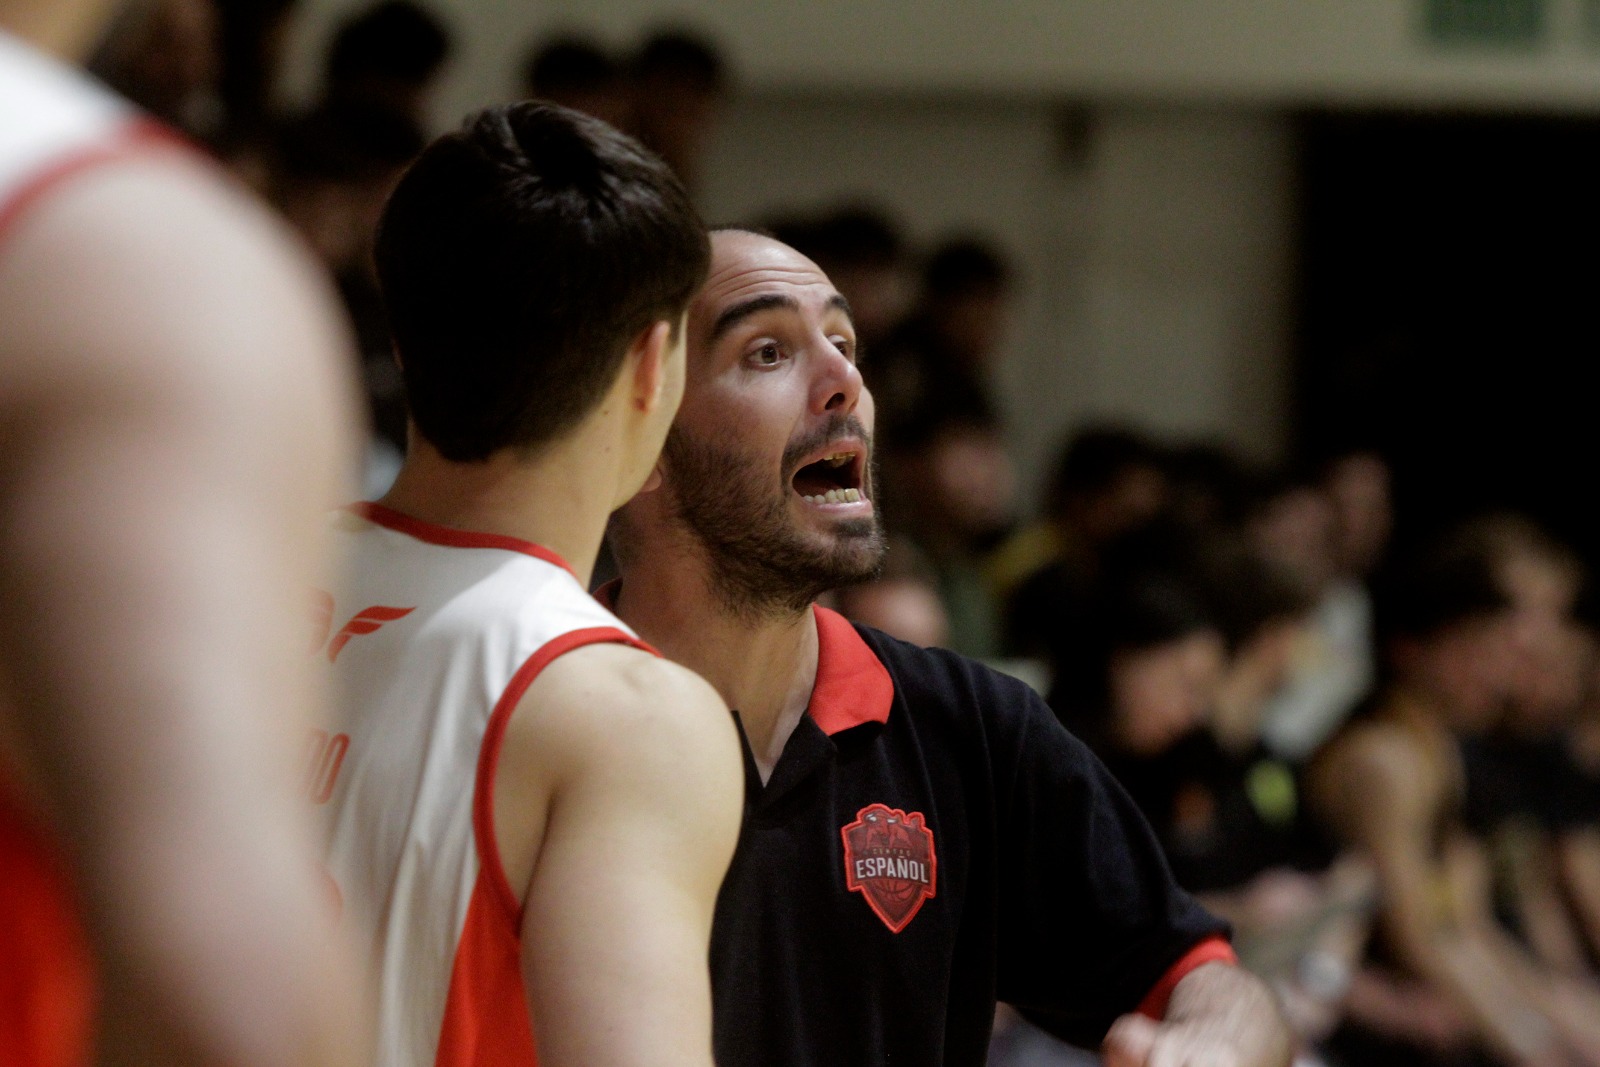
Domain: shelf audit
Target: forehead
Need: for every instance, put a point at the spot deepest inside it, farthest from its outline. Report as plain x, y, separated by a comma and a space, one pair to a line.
747, 265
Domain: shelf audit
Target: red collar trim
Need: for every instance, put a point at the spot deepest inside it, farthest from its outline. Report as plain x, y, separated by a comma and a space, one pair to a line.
853, 686
435, 534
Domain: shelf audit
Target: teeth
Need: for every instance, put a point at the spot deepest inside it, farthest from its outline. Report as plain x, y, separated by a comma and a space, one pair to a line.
835, 496
838, 459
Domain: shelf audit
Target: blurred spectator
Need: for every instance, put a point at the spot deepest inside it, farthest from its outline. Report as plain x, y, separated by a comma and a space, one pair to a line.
1349, 513
1108, 484
903, 601
334, 169
384, 60
863, 253
942, 358
164, 56
679, 84
333, 179
1391, 785
950, 492
576, 72
253, 37
1527, 795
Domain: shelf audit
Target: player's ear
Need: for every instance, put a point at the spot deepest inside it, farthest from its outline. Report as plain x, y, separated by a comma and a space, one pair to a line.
647, 362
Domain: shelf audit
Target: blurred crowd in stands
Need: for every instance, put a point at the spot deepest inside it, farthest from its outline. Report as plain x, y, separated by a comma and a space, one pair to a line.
1380, 761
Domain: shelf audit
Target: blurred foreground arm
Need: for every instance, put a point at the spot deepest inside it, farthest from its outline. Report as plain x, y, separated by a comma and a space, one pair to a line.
174, 422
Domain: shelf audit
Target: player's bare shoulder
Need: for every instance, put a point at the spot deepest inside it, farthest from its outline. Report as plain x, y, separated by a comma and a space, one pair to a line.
630, 701
609, 734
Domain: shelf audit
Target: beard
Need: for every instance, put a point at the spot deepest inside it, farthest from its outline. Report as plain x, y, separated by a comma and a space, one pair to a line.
761, 564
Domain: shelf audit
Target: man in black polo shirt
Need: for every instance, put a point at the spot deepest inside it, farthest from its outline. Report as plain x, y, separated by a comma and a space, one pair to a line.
921, 837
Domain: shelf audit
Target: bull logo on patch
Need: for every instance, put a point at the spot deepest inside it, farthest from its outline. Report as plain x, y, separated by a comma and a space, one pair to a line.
889, 860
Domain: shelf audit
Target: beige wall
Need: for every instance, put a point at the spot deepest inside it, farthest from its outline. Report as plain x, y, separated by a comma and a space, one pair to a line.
1264, 51
1154, 267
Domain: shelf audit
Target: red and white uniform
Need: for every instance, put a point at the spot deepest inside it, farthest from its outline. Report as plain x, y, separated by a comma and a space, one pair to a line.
54, 124
432, 644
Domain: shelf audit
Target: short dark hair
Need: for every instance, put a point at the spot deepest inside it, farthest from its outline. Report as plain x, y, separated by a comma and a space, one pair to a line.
519, 256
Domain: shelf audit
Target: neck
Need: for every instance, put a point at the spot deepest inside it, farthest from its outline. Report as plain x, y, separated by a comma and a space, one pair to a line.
764, 667
559, 499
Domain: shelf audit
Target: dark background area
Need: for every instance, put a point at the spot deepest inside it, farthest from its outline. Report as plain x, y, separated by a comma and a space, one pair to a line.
1449, 283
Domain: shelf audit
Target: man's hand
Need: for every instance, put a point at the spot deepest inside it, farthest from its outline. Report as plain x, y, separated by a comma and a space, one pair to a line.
1220, 1016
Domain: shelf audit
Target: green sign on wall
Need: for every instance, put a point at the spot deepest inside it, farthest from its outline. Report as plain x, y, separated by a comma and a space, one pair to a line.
1491, 23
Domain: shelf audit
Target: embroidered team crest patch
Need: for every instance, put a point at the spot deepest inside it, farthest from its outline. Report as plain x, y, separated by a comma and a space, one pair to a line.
889, 860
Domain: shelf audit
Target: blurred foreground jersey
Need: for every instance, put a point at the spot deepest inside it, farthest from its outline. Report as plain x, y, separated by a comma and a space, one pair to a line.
54, 125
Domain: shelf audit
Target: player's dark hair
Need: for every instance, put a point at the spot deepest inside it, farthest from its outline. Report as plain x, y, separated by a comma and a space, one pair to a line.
519, 256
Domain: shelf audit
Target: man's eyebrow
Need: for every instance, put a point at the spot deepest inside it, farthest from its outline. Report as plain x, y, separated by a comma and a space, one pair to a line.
839, 303
737, 313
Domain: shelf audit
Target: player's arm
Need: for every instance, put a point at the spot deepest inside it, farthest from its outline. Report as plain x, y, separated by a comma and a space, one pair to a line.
174, 422
640, 762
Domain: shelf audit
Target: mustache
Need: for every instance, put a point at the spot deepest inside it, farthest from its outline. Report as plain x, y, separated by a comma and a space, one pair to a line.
837, 427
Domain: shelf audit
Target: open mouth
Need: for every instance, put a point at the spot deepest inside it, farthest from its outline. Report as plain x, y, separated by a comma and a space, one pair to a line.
834, 479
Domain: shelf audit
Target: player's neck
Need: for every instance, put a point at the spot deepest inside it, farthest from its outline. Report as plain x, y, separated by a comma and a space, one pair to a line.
559, 499
764, 667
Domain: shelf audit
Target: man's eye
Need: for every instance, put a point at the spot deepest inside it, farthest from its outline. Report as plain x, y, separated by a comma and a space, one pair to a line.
767, 355
846, 349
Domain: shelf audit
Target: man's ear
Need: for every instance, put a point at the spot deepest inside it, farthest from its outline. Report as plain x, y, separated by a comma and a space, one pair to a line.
648, 358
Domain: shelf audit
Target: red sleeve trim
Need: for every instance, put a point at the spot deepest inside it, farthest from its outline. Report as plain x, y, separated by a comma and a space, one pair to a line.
1211, 950
494, 736
134, 139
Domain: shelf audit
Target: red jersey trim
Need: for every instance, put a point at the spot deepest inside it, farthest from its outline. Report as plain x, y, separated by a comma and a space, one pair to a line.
494, 736
134, 138
1211, 950
853, 686
449, 537
486, 1021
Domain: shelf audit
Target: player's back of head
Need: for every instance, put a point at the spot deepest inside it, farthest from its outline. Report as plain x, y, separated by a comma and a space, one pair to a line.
519, 256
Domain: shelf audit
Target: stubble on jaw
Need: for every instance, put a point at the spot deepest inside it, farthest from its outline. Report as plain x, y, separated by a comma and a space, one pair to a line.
759, 566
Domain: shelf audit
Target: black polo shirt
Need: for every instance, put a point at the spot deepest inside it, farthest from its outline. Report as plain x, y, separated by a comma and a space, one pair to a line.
932, 840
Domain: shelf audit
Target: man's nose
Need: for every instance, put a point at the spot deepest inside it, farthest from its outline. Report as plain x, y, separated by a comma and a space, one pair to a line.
838, 382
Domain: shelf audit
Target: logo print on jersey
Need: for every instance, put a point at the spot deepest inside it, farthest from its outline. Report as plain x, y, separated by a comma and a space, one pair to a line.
366, 621
889, 860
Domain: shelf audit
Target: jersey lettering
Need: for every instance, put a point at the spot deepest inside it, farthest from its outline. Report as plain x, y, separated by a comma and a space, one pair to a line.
324, 756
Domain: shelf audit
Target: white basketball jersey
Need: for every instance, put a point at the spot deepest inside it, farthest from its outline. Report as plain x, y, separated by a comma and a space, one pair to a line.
433, 642
53, 123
